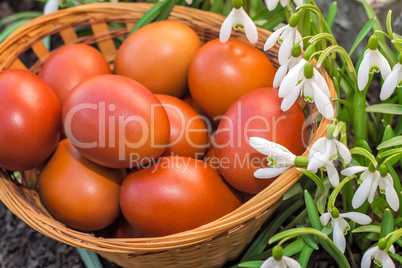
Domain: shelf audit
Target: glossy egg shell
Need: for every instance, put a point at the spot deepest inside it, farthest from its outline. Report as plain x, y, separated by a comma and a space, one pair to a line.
175, 195
256, 114
79, 193
115, 121
188, 130
30, 120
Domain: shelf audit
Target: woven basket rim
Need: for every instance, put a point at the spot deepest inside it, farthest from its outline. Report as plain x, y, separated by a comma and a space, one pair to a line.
250, 210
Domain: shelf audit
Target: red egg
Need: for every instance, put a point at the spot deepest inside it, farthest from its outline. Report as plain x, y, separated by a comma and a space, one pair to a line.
256, 114
175, 194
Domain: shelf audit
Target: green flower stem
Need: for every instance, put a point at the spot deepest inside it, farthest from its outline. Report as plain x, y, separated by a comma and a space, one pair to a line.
335, 192
387, 224
359, 112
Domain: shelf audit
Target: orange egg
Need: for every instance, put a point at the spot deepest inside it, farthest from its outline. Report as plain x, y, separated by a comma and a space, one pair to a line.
176, 194
79, 193
256, 114
115, 121
158, 56
69, 65
220, 73
188, 131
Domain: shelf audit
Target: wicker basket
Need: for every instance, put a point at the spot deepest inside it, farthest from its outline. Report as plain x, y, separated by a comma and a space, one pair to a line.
210, 245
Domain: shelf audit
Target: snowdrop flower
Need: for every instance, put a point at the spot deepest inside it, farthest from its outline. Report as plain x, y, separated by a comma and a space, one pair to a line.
393, 80
324, 151
271, 4
381, 258
237, 19
287, 65
278, 260
373, 61
51, 6
287, 36
340, 226
312, 85
369, 180
279, 158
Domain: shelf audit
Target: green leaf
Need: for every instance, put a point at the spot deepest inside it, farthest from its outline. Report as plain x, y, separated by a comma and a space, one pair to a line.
331, 14
387, 224
315, 178
28, 15
6, 32
295, 189
294, 247
363, 33
396, 141
396, 257
312, 211
347, 105
251, 264
151, 14
378, 206
305, 256
216, 6
90, 258
385, 108
389, 25
321, 201
367, 229
308, 239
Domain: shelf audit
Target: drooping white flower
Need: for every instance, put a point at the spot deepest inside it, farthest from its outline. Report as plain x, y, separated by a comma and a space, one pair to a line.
279, 158
340, 226
322, 154
380, 257
287, 36
370, 180
279, 261
284, 69
393, 81
238, 19
314, 89
271, 4
373, 61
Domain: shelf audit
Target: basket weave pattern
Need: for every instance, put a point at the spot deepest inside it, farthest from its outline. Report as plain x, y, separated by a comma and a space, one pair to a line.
210, 245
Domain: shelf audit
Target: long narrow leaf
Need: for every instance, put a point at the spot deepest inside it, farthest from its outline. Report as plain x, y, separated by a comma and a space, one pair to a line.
385, 108
28, 15
363, 33
396, 141
332, 14
12, 28
305, 256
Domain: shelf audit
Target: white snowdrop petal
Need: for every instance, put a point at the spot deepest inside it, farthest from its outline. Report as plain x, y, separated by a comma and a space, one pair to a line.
291, 263
391, 196
373, 190
392, 249
391, 82
367, 256
362, 192
290, 81
291, 98
298, 2
189, 2
284, 2
363, 72
267, 263
281, 73
323, 104
322, 84
51, 6
226, 28
333, 175
271, 4
325, 217
382, 64
357, 217
266, 147
350, 171
273, 38
387, 262
285, 51
338, 236
344, 152
249, 27
269, 173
